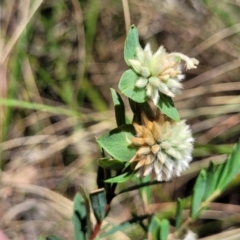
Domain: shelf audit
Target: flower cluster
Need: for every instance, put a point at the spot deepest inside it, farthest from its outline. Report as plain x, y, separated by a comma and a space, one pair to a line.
160, 72
165, 147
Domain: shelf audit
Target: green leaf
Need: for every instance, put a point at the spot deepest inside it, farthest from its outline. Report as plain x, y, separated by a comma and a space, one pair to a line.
37, 106
212, 180
154, 228
179, 210
127, 86
99, 202
79, 218
131, 44
119, 108
166, 105
111, 164
52, 237
146, 190
231, 168
85, 196
198, 193
164, 229
120, 178
117, 143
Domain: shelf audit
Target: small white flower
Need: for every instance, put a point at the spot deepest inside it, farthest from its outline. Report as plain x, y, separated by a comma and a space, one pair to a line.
160, 72
165, 147
190, 236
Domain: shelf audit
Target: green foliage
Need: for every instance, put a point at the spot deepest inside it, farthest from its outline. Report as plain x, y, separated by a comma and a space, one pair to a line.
120, 178
154, 228
212, 177
36, 106
117, 149
230, 168
166, 106
158, 229
124, 225
127, 87
119, 108
111, 164
117, 143
198, 193
144, 190
98, 201
80, 216
131, 44
164, 229
178, 215
129, 79
211, 182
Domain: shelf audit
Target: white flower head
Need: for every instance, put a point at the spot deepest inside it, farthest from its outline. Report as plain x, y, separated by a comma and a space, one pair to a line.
160, 72
190, 235
165, 147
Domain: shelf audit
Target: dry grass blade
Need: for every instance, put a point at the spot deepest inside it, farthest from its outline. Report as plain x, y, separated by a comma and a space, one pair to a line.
22, 25
81, 44
213, 73
217, 37
220, 128
126, 15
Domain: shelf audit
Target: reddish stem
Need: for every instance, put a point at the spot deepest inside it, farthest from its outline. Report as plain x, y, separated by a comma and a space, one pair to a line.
97, 227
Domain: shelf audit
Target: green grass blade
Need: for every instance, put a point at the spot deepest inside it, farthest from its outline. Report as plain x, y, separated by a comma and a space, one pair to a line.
37, 106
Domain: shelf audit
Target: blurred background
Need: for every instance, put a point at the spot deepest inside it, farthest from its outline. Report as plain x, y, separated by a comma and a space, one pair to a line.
58, 60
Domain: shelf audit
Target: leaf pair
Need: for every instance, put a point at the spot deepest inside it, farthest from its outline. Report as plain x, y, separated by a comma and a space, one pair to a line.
158, 229
211, 182
81, 213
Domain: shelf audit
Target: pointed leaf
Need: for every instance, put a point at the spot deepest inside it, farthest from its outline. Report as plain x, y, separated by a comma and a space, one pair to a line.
131, 44
111, 164
117, 143
79, 218
164, 229
120, 178
212, 180
146, 189
154, 227
85, 196
99, 202
119, 108
231, 167
127, 86
179, 210
166, 106
198, 193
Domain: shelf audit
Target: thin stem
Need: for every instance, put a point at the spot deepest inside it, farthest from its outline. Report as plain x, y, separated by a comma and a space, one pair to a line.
126, 15
189, 220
